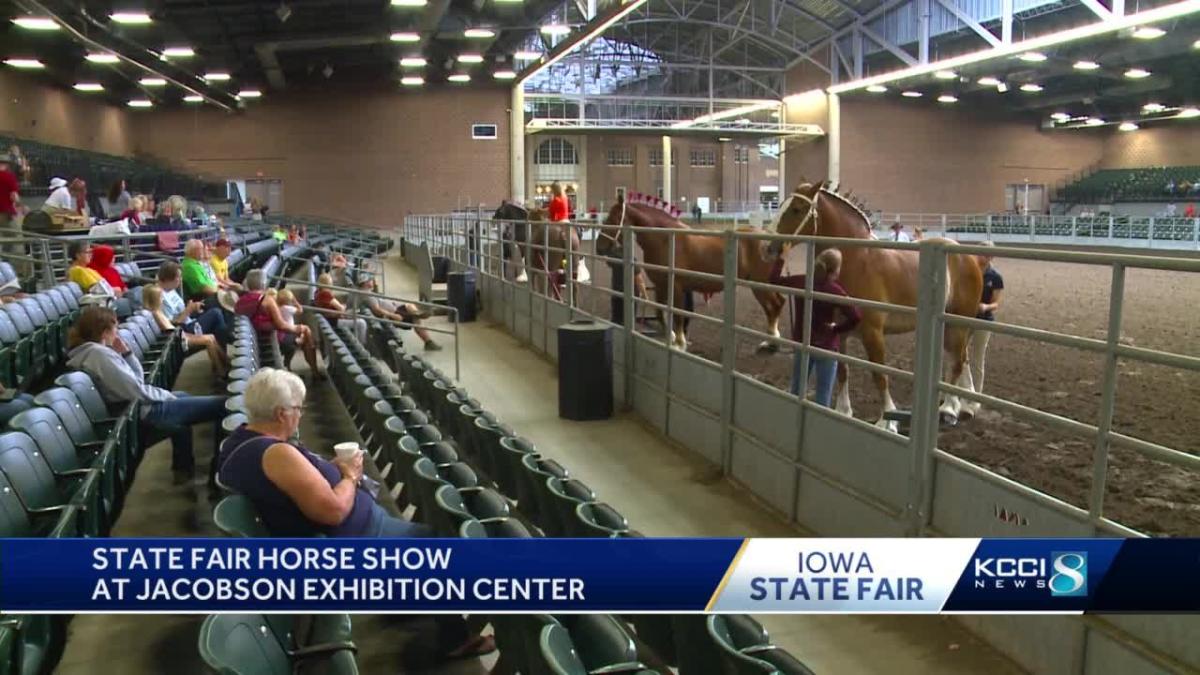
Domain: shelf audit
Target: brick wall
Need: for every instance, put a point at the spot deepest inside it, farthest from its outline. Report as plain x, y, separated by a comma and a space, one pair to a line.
368, 156
1175, 143
30, 109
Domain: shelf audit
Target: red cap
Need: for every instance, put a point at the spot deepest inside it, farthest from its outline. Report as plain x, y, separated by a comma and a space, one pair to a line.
222, 242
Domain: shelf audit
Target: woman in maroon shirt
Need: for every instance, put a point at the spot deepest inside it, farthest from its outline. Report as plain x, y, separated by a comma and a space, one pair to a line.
826, 331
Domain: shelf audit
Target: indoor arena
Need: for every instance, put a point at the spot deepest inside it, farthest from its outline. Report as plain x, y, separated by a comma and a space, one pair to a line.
584, 269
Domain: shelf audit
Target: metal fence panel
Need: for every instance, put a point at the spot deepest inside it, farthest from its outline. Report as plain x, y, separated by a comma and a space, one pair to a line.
966, 505
1174, 635
863, 460
650, 402
1105, 656
766, 474
830, 512
766, 414
1042, 644
696, 430
696, 381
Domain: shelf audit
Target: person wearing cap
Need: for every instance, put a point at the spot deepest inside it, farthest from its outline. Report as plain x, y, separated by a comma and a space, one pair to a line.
78, 190
219, 261
60, 197
406, 313
898, 233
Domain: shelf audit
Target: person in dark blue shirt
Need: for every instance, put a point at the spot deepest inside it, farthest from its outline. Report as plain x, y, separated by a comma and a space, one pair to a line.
989, 302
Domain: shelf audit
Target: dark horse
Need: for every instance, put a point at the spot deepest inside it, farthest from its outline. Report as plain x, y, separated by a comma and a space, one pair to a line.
547, 240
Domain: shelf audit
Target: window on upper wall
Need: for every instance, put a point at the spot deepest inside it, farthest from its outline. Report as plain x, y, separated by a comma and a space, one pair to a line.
703, 157
656, 157
620, 156
555, 151
741, 154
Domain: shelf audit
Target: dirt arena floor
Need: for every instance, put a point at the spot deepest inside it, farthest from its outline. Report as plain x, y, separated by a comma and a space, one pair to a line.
1153, 403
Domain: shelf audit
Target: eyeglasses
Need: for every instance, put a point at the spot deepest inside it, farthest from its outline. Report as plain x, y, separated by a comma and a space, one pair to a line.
298, 408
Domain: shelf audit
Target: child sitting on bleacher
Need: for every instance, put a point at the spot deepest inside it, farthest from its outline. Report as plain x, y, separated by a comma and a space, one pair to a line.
288, 307
193, 335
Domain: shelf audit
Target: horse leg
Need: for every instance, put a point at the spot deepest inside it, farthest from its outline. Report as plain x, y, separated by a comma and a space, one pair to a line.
518, 258
582, 275
872, 339
843, 393
772, 305
977, 355
960, 374
662, 297
681, 321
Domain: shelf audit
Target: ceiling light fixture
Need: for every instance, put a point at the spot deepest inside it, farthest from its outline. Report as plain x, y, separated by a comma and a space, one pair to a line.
1086, 65
217, 77
459, 77
989, 81
179, 52
1128, 126
249, 93
1196, 44
1060, 117
140, 103
152, 82
26, 64
1153, 107
102, 57
554, 29
947, 98
89, 86
470, 58
412, 62
1002, 88
283, 12
406, 37
131, 18
1188, 113
479, 33
193, 98
911, 94
1094, 122
1137, 73
1031, 88
504, 75
412, 81
527, 55
945, 75
36, 23
409, 3
877, 89
596, 27
1032, 57
731, 112
1149, 33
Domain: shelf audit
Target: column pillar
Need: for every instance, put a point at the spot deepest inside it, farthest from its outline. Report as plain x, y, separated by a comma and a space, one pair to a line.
835, 140
516, 145
667, 192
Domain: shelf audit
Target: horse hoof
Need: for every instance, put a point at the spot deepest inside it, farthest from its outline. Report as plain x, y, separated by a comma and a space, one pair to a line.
947, 419
767, 348
888, 425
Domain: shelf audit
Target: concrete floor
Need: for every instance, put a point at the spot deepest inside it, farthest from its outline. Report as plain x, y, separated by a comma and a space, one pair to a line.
666, 491
661, 489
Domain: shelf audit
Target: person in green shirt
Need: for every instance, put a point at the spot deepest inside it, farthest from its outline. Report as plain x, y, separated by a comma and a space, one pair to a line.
279, 233
198, 282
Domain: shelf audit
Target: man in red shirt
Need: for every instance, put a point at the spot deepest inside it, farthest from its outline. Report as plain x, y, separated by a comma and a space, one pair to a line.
10, 203
826, 332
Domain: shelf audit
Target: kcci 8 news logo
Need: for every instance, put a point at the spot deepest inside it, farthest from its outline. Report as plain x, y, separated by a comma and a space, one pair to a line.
1064, 573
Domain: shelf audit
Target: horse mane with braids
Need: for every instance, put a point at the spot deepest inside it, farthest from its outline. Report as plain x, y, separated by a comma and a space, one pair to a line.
832, 192
654, 203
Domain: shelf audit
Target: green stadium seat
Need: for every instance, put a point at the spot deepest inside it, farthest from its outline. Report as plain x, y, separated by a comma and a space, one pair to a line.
245, 644
236, 516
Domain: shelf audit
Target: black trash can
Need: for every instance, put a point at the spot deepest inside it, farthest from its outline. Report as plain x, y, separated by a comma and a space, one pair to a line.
441, 267
460, 294
585, 371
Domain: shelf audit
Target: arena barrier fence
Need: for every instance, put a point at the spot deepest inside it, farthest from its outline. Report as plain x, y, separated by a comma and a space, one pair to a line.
1158, 232
836, 475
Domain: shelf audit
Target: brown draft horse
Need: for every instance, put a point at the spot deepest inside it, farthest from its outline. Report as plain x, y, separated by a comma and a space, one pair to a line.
539, 234
885, 275
695, 253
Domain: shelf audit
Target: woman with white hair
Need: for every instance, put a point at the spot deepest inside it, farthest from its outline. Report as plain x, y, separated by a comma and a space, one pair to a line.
299, 493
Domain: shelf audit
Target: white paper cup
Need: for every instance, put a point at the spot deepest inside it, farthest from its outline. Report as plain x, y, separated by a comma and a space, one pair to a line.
346, 450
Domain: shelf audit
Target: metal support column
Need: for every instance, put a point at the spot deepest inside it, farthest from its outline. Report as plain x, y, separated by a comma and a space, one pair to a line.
516, 145
1104, 424
666, 141
629, 307
927, 369
923, 17
834, 138
728, 350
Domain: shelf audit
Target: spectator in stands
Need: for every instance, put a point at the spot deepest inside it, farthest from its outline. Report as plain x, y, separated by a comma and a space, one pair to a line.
12, 403
149, 207
341, 271
265, 315
118, 198
10, 202
91, 281
1184, 187
78, 188
102, 262
989, 302
404, 312
825, 332
170, 215
334, 310
1170, 188
98, 350
279, 233
60, 197
219, 261
293, 235
191, 315
898, 233
1171, 210
152, 299
1190, 211
255, 209
198, 282
133, 212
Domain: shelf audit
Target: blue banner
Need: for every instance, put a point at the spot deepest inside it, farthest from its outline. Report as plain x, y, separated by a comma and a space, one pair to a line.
599, 575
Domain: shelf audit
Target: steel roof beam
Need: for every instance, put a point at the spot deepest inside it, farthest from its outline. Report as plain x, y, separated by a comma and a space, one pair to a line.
970, 22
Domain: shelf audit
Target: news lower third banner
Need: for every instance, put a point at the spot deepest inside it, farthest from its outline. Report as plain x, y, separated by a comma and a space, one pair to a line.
599, 575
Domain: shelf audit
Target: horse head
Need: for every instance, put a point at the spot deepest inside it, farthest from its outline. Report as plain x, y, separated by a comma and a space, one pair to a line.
608, 239
510, 211
797, 213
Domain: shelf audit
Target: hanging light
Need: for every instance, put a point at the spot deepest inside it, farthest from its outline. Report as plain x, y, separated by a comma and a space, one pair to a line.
1128, 126
1032, 57
217, 77
877, 89
470, 58
88, 86
131, 18
555, 29
947, 98
1149, 33
249, 93
911, 94
412, 81
1137, 73
102, 57
141, 103
1086, 65
1153, 107
527, 55
504, 75
945, 75
179, 52
989, 81
152, 82
479, 33
1031, 88
193, 98
412, 62
36, 23
459, 77
25, 64
1188, 113
406, 36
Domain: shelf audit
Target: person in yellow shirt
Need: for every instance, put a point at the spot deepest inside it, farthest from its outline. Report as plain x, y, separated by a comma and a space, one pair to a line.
80, 253
220, 265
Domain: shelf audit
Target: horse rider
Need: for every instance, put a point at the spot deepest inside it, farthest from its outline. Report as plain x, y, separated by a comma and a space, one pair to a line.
559, 211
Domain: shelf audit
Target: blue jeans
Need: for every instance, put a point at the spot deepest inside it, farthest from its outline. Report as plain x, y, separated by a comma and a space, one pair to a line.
176, 419
383, 524
10, 409
825, 370
212, 322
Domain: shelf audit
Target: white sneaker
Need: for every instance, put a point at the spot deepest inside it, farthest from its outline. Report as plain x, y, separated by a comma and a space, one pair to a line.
522, 277
582, 275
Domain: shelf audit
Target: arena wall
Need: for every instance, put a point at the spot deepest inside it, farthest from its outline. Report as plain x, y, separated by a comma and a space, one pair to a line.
1173, 144
365, 156
51, 115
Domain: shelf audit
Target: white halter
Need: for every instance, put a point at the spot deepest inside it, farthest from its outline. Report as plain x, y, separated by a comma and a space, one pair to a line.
812, 210
621, 223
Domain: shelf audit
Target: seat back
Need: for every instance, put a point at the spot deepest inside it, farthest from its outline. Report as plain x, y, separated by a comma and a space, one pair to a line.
20, 461
86, 393
20, 318
46, 303
8, 330
14, 521
70, 412
242, 644
46, 429
556, 653
237, 517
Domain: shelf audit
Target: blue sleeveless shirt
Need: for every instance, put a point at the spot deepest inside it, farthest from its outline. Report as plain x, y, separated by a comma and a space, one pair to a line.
241, 469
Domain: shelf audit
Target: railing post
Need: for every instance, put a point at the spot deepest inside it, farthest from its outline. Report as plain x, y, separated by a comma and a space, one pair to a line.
927, 369
728, 349
1104, 424
1032, 227
1110, 226
988, 226
1196, 232
1150, 233
669, 313
629, 308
